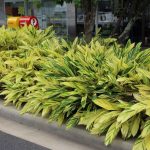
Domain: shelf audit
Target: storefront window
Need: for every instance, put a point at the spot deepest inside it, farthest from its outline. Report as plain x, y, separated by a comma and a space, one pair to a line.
52, 14
12, 9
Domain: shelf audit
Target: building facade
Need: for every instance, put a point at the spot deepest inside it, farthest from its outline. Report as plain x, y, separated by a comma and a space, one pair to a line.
66, 19
69, 20
47, 12
2, 13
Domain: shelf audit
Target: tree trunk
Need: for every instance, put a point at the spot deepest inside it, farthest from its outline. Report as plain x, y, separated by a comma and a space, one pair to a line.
143, 28
125, 34
89, 18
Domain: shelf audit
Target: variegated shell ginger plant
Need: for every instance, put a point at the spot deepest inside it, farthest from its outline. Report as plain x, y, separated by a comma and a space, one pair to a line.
101, 85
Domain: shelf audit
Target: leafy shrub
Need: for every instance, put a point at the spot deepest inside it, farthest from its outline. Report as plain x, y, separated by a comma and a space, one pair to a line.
101, 85
9, 39
12, 39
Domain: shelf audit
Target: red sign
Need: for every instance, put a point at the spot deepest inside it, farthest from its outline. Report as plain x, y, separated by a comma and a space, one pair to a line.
28, 20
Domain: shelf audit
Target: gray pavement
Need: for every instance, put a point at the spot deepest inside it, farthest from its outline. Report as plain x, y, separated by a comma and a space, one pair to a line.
38, 137
9, 142
37, 130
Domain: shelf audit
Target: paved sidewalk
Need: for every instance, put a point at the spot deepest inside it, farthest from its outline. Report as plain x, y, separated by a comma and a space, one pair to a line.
28, 135
38, 131
9, 142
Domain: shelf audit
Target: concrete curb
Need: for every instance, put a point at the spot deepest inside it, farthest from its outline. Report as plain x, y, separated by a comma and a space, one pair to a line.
77, 135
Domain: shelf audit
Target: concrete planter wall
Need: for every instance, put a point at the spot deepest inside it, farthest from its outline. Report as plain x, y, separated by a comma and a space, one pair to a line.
76, 135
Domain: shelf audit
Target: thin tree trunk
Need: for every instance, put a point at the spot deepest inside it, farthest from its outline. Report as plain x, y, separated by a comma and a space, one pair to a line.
125, 34
143, 28
96, 18
89, 18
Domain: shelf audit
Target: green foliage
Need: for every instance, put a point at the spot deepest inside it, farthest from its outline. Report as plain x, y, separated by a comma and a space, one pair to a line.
9, 39
21, 11
101, 85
